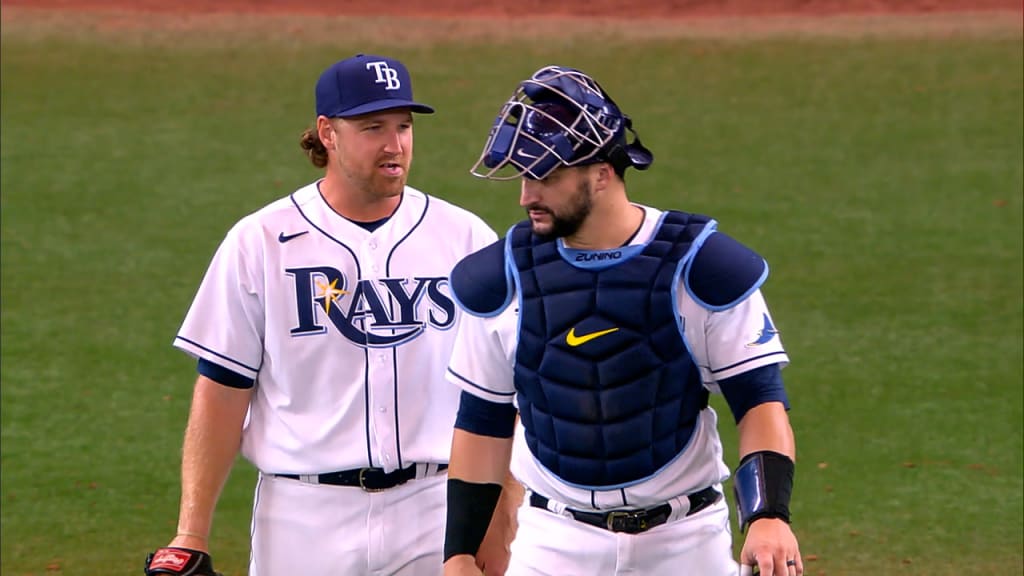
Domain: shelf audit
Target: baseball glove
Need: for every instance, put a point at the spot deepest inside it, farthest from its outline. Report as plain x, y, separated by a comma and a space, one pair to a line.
180, 562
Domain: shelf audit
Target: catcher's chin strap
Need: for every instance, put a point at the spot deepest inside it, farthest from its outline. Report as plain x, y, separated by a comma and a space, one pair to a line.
179, 562
623, 154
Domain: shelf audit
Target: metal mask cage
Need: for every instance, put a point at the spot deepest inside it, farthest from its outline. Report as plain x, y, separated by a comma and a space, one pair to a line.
558, 117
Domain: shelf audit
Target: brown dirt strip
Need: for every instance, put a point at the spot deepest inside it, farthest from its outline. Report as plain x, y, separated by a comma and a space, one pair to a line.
218, 28
631, 9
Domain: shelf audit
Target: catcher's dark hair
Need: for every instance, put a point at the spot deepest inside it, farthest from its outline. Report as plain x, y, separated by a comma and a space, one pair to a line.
314, 148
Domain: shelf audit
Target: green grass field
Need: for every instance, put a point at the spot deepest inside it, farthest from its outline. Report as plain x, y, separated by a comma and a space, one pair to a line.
880, 175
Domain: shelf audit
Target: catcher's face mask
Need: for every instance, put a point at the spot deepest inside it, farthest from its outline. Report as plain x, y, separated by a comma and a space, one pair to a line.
558, 117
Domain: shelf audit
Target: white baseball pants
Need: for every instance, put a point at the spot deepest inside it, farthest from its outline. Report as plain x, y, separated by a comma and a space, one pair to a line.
320, 530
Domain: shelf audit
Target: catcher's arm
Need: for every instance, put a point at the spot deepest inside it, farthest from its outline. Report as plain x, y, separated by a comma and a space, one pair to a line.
766, 445
477, 469
494, 553
212, 439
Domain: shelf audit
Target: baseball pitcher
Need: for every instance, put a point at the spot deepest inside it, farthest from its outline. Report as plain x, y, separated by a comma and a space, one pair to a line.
322, 331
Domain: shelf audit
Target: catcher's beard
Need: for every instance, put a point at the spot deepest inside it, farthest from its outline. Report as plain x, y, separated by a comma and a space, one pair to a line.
568, 221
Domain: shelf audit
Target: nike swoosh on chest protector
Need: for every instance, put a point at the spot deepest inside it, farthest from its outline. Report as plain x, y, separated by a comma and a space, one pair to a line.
573, 340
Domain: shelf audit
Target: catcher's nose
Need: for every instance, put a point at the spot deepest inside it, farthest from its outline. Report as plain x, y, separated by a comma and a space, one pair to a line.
530, 192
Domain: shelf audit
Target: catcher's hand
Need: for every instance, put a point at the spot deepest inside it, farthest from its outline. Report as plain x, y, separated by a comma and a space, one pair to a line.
179, 562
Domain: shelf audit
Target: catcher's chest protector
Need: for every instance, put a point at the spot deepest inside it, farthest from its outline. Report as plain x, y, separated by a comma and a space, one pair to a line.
608, 393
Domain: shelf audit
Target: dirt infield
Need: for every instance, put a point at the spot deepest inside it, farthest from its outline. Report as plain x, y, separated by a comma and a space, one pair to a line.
576, 8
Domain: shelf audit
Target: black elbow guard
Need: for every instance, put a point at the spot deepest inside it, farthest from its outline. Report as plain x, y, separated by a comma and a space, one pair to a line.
763, 486
470, 507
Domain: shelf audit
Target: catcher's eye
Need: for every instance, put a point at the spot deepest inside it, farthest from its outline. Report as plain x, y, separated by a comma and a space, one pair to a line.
543, 120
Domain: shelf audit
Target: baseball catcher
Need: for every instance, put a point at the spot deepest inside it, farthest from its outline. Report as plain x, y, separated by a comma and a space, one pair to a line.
605, 325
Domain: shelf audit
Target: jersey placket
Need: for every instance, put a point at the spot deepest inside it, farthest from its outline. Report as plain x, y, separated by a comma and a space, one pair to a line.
380, 373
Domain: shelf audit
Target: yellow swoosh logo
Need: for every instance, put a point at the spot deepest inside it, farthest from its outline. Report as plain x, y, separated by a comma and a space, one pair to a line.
573, 340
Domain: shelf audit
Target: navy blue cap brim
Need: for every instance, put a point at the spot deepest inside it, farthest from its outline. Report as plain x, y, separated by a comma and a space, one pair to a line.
379, 105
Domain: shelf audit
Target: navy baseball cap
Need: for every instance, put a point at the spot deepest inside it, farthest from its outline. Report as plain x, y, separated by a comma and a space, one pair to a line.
365, 83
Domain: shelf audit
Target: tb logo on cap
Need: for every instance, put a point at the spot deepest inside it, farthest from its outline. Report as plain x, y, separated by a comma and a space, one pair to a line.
385, 75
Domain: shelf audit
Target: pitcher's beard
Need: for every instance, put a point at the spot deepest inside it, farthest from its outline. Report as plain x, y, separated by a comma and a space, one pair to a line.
389, 187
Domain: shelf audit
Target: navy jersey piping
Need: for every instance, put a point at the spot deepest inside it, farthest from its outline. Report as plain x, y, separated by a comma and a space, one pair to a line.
398, 430
218, 354
366, 404
394, 350
359, 272
423, 215
224, 376
366, 349
742, 362
479, 387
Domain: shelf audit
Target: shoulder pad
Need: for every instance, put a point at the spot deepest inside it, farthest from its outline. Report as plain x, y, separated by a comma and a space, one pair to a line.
479, 281
723, 272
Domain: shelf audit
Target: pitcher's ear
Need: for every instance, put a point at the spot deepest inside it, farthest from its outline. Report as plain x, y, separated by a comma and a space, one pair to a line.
325, 130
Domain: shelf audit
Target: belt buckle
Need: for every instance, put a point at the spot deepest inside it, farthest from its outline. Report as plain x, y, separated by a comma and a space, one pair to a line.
362, 481
632, 522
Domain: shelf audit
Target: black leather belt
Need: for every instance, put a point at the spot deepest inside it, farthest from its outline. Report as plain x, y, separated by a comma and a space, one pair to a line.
369, 479
634, 521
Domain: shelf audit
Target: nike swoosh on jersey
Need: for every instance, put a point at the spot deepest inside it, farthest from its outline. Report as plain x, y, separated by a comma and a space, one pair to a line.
282, 238
573, 340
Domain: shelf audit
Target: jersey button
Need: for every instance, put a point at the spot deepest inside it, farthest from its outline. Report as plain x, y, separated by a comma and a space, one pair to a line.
373, 244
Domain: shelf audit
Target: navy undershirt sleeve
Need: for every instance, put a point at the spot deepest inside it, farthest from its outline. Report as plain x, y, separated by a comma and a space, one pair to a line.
486, 418
222, 375
749, 389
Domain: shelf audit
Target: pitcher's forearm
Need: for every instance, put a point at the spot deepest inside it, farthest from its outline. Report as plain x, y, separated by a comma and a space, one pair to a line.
212, 439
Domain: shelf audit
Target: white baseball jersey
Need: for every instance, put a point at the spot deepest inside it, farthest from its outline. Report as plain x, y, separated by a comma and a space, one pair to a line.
723, 344
346, 332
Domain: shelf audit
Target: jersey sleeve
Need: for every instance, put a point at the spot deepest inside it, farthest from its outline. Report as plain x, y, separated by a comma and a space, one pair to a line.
480, 362
483, 235
733, 341
225, 323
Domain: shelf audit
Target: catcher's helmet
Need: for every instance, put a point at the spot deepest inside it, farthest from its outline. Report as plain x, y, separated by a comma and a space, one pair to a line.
558, 117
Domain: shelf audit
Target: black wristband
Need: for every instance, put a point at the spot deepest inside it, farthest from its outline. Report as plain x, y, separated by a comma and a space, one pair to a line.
470, 507
763, 487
